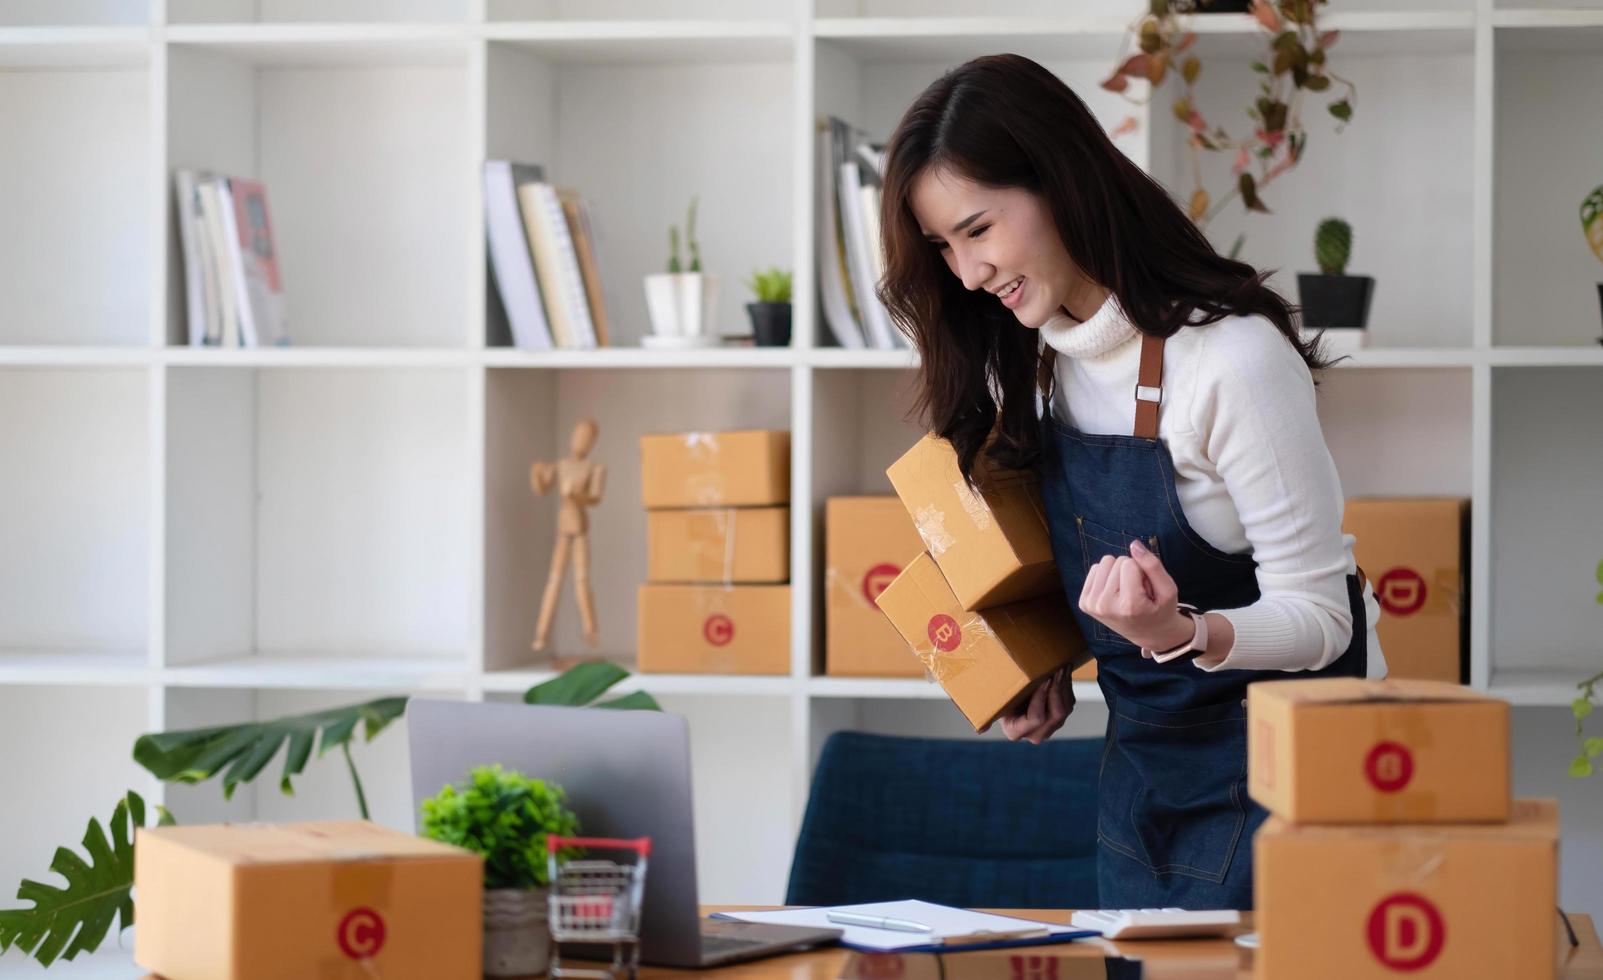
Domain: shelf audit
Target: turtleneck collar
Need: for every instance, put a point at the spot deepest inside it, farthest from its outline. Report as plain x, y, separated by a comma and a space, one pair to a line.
1107, 330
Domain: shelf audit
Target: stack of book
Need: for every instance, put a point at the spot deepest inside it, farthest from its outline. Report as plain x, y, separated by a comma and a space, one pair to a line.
233, 294
542, 259
851, 260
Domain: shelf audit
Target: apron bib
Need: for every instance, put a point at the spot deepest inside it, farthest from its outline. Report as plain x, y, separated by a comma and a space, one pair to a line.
1175, 824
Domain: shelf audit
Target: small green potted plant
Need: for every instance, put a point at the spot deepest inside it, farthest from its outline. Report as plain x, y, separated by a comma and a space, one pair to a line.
683, 305
770, 314
1592, 226
1333, 300
504, 816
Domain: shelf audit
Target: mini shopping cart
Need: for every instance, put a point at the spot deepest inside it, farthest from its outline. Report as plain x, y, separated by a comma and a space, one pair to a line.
596, 902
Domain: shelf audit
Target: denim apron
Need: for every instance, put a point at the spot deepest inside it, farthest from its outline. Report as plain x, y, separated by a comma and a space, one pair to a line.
1175, 824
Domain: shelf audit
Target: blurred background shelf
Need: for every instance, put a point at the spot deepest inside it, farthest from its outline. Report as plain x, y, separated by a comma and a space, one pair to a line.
208, 535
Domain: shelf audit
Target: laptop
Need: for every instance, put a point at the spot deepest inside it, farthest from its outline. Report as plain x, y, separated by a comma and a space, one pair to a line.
626, 774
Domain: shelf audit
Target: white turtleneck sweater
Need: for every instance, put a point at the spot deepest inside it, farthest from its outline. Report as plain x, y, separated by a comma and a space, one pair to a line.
1251, 467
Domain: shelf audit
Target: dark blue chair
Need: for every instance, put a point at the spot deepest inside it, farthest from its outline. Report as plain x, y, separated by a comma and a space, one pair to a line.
975, 823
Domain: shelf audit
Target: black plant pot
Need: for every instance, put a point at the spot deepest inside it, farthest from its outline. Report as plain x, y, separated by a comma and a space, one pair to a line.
770, 323
1224, 6
1334, 301
1600, 304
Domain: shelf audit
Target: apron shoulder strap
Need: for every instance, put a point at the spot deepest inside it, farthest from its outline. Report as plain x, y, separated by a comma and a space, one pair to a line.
1149, 387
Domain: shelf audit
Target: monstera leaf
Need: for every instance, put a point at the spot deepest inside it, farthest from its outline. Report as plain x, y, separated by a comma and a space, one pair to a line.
582, 684
198, 754
67, 921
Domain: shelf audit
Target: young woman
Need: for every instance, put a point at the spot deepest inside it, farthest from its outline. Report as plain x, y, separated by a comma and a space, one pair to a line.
1194, 508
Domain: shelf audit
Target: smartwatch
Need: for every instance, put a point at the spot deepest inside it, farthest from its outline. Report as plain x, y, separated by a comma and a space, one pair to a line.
1197, 643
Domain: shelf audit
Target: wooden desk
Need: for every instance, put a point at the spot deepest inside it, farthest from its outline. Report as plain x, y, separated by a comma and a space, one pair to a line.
1212, 959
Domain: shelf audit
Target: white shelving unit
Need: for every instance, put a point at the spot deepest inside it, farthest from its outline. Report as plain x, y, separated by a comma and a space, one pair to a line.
190, 536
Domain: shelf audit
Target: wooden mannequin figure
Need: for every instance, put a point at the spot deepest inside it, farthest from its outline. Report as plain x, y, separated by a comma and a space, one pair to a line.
579, 484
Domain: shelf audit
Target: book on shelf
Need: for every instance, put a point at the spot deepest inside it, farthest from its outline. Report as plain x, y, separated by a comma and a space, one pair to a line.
557, 263
850, 257
543, 259
834, 282
584, 241
233, 290
511, 266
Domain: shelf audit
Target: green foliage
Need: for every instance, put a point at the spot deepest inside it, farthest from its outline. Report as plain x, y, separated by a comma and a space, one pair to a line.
1333, 246
1592, 228
580, 685
198, 754
674, 264
771, 286
64, 922
505, 817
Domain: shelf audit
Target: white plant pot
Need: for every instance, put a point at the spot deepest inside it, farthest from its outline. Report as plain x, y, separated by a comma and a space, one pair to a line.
517, 932
682, 304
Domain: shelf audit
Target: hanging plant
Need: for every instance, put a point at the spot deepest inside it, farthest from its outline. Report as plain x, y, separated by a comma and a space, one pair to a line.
1294, 63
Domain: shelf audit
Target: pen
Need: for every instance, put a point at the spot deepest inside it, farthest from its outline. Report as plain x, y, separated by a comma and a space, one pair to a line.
877, 922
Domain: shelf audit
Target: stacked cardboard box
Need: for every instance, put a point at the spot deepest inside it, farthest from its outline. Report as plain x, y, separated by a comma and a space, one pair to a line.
1415, 552
717, 598
982, 607
1392, 845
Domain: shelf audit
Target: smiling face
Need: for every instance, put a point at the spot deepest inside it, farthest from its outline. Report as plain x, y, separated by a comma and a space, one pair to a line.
1002, 240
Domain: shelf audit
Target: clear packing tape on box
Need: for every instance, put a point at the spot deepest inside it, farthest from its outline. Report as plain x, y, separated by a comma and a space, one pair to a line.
1428, 752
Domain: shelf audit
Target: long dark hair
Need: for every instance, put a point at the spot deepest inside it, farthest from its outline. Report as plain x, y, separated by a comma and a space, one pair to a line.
1005, 121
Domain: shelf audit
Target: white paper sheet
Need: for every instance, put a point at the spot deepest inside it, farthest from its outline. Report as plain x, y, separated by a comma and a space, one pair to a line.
943, 920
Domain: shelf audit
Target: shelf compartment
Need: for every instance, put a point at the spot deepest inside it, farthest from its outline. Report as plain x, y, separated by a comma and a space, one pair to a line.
530, 416
319, 514
364, 148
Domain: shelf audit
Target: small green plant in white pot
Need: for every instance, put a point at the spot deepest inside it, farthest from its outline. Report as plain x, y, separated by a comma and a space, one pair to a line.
505, 817
683, 305
770, 314
1332, 300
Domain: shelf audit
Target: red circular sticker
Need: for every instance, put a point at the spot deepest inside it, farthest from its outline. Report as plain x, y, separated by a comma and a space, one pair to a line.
1389, 766
1401, 591
1406, 932
718, 629
361, 934
876, 578
944, 632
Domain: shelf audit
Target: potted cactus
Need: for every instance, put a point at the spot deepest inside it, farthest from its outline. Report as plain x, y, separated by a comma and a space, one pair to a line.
1592, 226
770, 314
1333, 300
683, 305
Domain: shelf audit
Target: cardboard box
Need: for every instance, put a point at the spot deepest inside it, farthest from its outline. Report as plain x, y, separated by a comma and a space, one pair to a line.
714, 629
1437, 902
726, 545
867, 542
746, 468
337, 900
1345, 750
1061, 961
987, 660
1414, 550
993, 546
